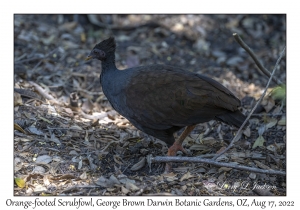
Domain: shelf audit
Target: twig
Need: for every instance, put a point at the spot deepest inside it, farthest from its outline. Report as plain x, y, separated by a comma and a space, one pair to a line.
93, 117
35, 58
43, 92
250, 52
77, 187
253, 109
159, 159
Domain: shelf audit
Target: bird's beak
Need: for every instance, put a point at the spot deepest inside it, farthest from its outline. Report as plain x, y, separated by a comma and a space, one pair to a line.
89, 58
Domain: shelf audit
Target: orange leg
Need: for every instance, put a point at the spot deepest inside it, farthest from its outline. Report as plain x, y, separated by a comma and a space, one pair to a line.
178, 146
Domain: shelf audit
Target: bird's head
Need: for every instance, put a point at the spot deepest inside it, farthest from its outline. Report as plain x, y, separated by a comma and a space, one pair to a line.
103, 49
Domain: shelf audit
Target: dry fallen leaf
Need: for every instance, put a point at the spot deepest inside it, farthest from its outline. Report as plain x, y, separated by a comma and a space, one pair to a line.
139, 164
186, 176
124, 190
261, 165
43, 159
224, 169
17, 127
130, 186
38, 170
247, 132
268, 104
87, 106
80, 164
17, 99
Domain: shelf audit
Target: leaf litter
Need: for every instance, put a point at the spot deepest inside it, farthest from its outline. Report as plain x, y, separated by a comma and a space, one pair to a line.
92, 150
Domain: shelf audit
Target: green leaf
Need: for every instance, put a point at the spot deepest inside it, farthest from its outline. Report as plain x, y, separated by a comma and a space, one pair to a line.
279, 93
20, 182
259, 142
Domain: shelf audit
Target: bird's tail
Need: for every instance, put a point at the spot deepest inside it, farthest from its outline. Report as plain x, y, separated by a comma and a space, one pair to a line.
232, 118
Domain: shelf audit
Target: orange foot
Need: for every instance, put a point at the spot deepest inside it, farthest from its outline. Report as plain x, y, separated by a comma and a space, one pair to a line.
172, 152
174, 148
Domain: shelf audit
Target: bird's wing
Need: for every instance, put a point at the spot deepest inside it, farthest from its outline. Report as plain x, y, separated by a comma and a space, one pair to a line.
166, 96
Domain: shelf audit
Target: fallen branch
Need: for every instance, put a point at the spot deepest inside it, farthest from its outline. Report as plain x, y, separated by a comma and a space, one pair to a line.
253, 56
160, 159
44, 93
238, 134
92, 117
78, 187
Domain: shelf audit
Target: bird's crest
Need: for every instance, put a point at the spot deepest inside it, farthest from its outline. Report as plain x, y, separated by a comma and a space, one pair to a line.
107, 45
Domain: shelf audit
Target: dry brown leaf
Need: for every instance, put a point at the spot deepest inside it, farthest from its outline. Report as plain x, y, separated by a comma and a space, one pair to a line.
76, 127
79, 164
17, 99
73, 152
252, 175
208, 140
45, 159
68, 26
83, 37
199, 147
17, 127
268, 104
34, 130
114, 180
139, 164
39, 189
220, 150
186, 176
87, 106
223, 157
54, 139
69, 112
123, 179
38, 170
132, 187
102, 181
118, 159
49, 40
247, 132
124, 190
224, 169
261, 165
172, 174
46, 180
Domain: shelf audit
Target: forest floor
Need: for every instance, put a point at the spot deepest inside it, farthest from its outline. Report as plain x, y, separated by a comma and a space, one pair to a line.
61, 149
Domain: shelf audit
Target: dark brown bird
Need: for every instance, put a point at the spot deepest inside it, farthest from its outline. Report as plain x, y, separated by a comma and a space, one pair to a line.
160, 99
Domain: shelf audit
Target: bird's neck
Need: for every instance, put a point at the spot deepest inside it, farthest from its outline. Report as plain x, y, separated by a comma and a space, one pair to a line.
108, 74
108, 64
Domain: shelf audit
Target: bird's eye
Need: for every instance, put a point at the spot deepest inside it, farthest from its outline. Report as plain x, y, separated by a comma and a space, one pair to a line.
99, 54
